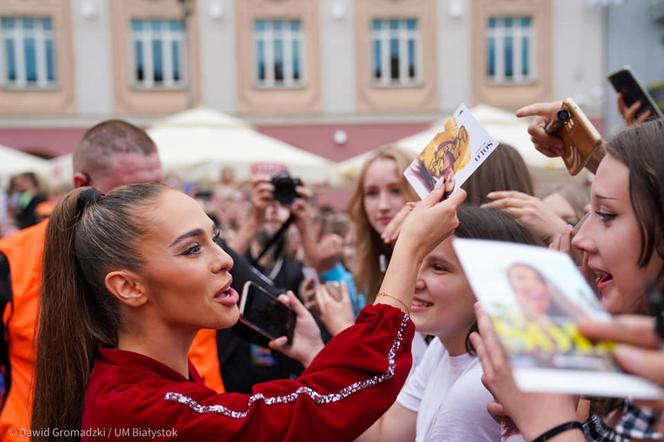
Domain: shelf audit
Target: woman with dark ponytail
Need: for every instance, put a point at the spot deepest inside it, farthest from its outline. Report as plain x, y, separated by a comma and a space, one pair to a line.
77, 313
131, 276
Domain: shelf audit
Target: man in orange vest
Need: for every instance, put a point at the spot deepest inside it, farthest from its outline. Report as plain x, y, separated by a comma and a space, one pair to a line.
111, 154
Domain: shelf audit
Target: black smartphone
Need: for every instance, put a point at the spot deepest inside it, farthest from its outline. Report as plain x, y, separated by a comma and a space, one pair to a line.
656, 301
264, 313
625, 82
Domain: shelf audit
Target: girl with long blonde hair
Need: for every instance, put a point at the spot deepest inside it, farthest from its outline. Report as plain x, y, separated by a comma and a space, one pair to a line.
381, 192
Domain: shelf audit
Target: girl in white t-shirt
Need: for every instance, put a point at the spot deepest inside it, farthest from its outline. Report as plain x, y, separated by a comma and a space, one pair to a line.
444, 399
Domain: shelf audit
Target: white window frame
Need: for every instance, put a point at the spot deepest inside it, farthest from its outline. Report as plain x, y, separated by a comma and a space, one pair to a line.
403, 35
517, 32
167, 36
19, 35
267, 36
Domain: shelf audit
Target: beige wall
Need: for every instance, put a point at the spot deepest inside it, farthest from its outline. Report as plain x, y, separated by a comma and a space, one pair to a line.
505, 95
129, 100
59, 100
374, 98
254, 100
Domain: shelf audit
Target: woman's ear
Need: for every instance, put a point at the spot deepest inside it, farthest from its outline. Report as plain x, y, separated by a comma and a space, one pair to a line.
127, 287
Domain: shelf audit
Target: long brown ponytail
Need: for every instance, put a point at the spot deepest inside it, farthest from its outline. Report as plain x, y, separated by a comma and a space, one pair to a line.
87, 236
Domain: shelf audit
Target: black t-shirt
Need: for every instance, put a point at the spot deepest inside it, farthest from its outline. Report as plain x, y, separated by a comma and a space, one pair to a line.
28, 216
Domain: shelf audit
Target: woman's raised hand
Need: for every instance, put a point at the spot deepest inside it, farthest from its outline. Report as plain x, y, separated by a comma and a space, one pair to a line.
336, 313
430, 221
391, 232
529, 211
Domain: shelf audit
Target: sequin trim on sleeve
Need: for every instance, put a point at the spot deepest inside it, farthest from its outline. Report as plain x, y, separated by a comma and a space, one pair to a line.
314, 395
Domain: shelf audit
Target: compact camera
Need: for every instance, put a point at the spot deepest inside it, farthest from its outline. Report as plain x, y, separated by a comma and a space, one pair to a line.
285, 188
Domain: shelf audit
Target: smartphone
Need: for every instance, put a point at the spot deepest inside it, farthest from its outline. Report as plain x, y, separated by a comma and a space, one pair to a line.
656, 301
579, 136
263, 312
625, 82
308, 289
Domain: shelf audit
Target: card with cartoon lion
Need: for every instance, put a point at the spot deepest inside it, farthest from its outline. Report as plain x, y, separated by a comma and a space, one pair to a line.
452, 155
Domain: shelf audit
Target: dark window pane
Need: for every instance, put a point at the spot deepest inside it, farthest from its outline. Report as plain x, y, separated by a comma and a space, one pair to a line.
47, 23
137, 25
278, 61
157, 61
525, 67
411, 58
155, 25
8, 22
30, 60
394, 59
139, 71
394, 24
507, 22
176, 25
50, 60
525, 22
259, 25
295, 25
175, 55
296, 60
411, 24
491, 62
492, 22
10, 59
28, 23
509, 58
260, 60
277, 25
376, 58
376, 25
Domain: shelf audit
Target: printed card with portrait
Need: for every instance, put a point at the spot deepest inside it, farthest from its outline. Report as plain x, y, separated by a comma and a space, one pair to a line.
534, 297
452, 155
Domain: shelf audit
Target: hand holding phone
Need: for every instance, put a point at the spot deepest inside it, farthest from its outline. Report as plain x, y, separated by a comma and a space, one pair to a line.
631, 90
306, 342
265, 314
579, 136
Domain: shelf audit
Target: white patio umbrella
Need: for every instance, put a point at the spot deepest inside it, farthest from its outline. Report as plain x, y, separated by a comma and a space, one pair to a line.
502, 125
61, 171
197, 143
13, 161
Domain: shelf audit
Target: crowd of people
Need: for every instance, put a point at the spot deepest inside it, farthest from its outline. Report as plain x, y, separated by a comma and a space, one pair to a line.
121, 319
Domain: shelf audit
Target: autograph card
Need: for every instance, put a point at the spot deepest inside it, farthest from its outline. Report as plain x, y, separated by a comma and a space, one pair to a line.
452, 155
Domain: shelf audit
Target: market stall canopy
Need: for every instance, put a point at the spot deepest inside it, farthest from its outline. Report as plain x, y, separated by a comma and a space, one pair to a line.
13, 161
198, 143
504, 126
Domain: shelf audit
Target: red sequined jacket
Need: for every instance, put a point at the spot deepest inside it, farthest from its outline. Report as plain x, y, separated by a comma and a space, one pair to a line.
347, 387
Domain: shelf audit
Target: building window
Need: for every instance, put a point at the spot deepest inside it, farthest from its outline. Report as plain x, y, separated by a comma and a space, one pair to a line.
511, 50
395, 45
279, 55
27, 52
159, 53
